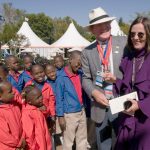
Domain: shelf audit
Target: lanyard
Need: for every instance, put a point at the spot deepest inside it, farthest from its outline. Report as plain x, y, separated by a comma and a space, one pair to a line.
104, 56
134, 69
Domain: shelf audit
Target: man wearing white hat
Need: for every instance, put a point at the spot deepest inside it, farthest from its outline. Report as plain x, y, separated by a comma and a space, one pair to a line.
101, 56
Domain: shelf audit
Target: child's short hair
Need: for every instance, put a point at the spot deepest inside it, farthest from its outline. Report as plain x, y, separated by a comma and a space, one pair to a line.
27, 56
58, 56
28, 89
36, 65
7, 59
73, 54
50, 65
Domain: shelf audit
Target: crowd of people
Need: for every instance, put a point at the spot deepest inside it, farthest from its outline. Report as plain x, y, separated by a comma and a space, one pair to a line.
37, 101
30, 97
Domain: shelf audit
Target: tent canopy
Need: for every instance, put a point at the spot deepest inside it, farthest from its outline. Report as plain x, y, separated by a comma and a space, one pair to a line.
115, 29
33, 42
75, 49
71, 38
32, 39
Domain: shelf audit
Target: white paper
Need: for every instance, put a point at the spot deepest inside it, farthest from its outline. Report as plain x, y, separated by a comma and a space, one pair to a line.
117, 104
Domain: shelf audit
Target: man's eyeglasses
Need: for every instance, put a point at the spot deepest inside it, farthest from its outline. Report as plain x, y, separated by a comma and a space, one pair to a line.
139, 34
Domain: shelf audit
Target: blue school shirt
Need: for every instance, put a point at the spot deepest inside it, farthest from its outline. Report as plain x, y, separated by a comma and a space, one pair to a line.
26, 77
18, 85
52, 84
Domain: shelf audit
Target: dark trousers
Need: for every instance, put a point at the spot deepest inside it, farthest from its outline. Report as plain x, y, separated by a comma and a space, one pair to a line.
106, 131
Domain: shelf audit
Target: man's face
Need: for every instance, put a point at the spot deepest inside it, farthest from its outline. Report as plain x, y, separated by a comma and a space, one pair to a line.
101, 31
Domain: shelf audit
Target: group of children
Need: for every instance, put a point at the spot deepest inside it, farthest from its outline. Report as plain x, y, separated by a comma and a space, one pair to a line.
30, 102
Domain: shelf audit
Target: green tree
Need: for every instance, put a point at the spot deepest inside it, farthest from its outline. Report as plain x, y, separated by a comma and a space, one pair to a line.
10, 24
11, 14
124, 26
60, 27
45, 27
16, 43
146, 14
42, 26
8, 33
84, 32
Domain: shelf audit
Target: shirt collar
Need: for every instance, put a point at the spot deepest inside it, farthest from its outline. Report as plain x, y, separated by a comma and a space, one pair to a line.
68, 73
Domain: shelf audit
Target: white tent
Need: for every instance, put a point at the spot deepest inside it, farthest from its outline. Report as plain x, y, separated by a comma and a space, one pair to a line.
54, 52
75, 49
27, 50
33, 42
115, 29
71, 38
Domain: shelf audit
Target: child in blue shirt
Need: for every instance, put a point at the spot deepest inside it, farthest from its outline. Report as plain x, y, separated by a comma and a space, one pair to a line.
59, 63
14, 77
50, 72
69, 104
26, 74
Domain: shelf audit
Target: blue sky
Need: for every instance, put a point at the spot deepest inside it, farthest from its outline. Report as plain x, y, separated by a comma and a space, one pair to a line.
79, 9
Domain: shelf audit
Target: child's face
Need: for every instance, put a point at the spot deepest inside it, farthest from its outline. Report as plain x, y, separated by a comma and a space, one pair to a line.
14, 64
38, 74
75, 63
58, 62
36, 98
50, 72
3, 75
28, 63
7, 94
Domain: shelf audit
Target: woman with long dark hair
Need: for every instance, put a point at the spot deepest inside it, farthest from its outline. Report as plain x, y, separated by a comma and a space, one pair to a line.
134, 132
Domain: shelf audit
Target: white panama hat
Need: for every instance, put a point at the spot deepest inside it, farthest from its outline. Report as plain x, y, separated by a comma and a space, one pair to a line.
97, 16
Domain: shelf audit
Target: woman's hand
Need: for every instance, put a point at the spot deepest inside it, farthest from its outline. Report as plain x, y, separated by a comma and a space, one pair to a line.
134, 107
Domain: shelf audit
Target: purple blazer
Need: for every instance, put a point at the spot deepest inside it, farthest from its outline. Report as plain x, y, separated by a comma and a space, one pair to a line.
131, 135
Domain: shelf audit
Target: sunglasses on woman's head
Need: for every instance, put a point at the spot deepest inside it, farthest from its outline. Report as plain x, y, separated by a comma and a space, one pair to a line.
139, 34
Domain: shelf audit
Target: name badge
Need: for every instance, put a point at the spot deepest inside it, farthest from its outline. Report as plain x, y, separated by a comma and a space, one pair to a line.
99, 79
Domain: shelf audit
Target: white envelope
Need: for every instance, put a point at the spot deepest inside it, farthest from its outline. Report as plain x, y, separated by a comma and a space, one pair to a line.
117, 104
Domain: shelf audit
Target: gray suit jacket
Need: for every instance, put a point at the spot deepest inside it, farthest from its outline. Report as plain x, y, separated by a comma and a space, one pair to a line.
91, 64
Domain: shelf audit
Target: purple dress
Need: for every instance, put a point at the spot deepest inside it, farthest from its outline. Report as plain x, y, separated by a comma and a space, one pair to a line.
134, 132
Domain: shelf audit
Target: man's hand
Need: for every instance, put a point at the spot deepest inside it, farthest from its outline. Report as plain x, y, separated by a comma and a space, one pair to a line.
109, 77
62, 123
100, 97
